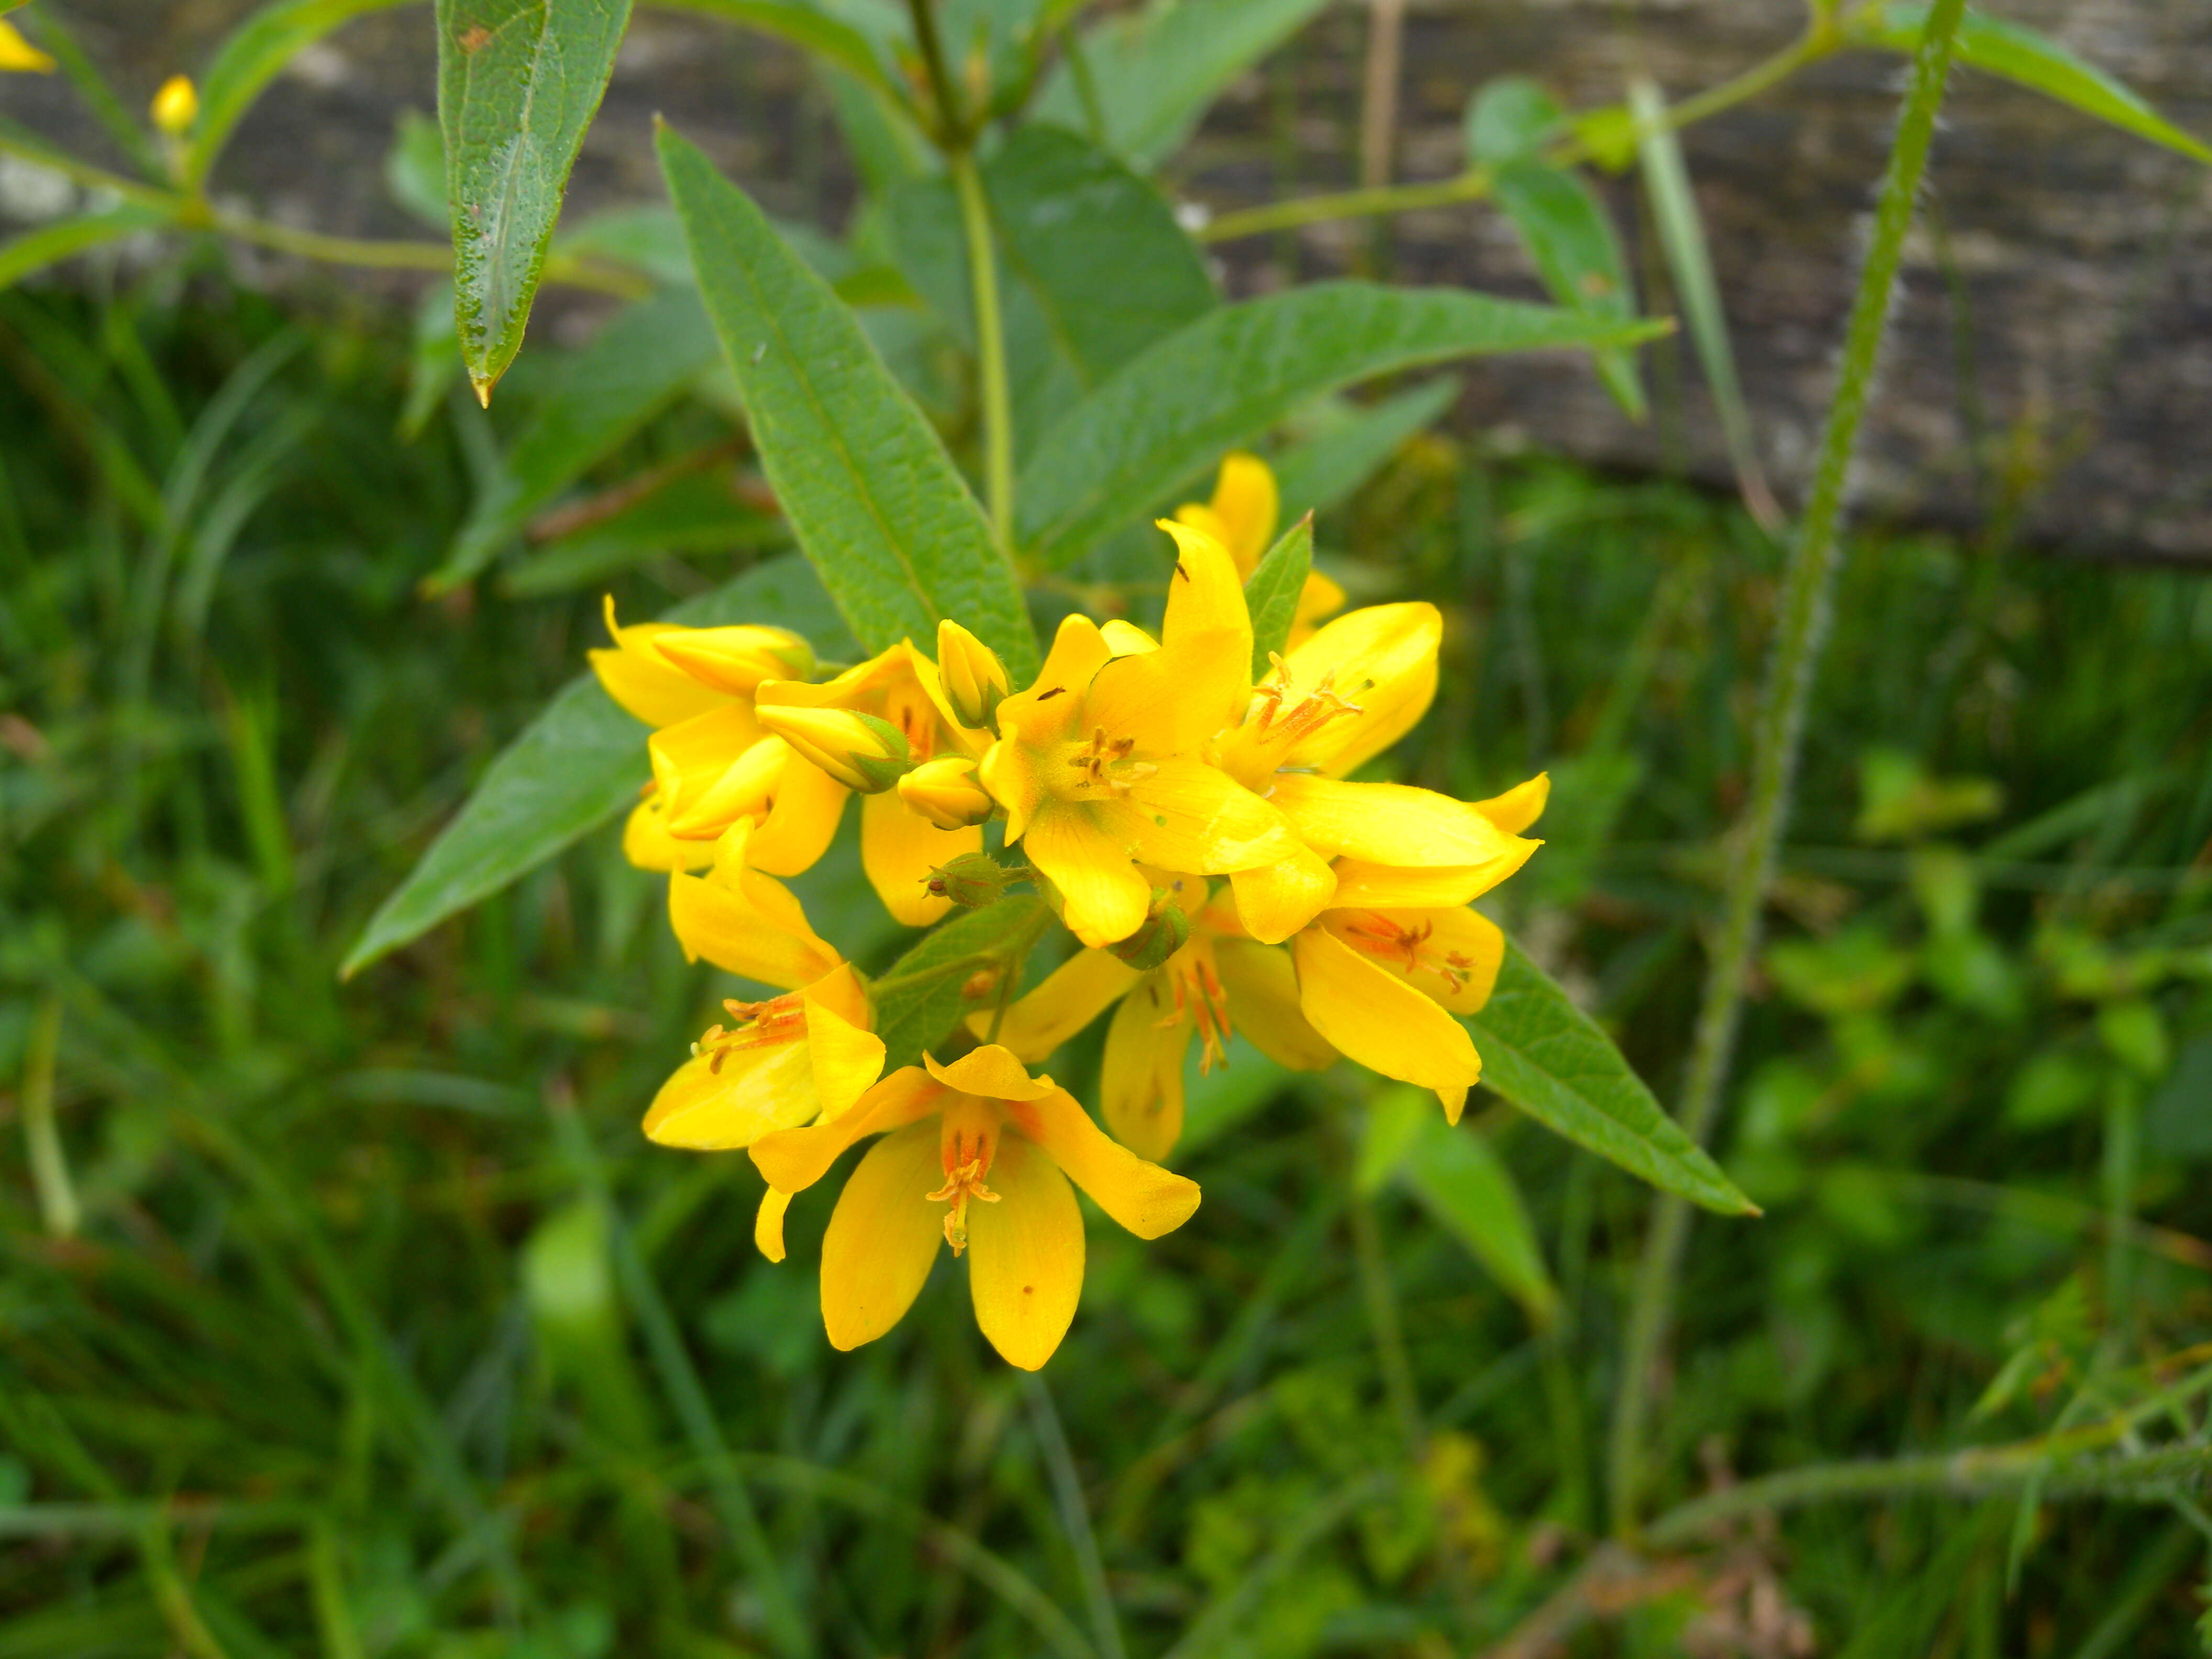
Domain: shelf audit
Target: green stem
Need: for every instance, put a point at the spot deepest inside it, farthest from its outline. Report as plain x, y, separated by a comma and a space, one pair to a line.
57, 1204
1776, 738
1998, 1471
1380, 1297
990, 347
1476, 182
1075, 1517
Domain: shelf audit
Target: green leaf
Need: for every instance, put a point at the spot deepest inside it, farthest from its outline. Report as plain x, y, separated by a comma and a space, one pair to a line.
1682, 234
518, 81
614, 385
415, 170
249, 59
921, 996
1165, 419
1271, 592
574, 767
1155, 70
1460, 1180
433, 361
1549, 1058
698, 512
1316, 473
1564, 226
63, 239
874, 499
2035, 61
858, 51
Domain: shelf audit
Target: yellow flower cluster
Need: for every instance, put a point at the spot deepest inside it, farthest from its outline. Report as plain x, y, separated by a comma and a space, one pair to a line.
1196, 829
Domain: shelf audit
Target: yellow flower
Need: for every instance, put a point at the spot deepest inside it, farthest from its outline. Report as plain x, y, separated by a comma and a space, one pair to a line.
746, 922
1243, 516
176, 105
1219, 981
637, 674
20, 55
1380, 975
901, 688
945, 791
974, 679
975, 1154
1098, 763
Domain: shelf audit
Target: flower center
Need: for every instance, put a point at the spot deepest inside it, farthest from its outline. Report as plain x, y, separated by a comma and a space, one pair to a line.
1199, 996
961, 1185
1381, 936
759, 1025
1282, 718
910, 710
1105, 764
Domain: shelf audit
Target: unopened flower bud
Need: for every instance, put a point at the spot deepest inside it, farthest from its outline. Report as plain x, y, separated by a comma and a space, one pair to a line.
972, 880
945, 791
736, 659
176, 105
860, 751
974, 678
19, 55
1158, 938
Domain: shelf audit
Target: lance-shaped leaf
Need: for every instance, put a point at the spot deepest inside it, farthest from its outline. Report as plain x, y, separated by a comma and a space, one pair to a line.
1550, 1059
870, 493
923, 995
1564, 228
1271, 591
575, 766
518, 81
1164, 420
1156, 69
252, 56
65, 238
2036, 61
1317, 472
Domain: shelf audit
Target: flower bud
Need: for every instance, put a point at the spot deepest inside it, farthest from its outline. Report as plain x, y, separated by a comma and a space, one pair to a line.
19, 55
176, 105
861, 751
1158, 937
974, 678
945, 791
736, 659
972, 880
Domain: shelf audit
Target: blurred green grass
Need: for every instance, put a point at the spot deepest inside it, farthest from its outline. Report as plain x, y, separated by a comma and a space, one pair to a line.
359, 1320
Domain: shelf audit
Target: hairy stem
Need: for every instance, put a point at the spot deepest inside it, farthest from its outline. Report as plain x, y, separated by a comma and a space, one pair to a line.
1777, 735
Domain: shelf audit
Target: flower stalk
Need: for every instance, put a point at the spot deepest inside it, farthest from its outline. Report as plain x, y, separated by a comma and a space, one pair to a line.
1778, 737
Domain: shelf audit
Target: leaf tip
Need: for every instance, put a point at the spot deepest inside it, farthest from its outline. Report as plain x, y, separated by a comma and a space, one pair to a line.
481, 386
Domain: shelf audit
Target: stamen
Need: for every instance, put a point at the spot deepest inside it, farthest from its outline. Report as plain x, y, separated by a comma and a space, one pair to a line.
759, 1025
1377, 935
1307, 715
1105, 763
961, 1185
1198, 998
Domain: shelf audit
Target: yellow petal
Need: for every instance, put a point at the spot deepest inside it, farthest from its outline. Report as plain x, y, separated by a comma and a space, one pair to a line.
176, 105
845, 1059
882, 1237
745, 922
1274, 900
1519, 807
842, 993
1246, 507
719, 758
1263, 1002
1046, 712
898, 849
1069, 997
990, 1072
1376, 1018
768, 1223
1391, 823
1187, 815
1140, 1079
1206, 593
703, 1109
1392, 887
19, 55
1382, 658
1454, 957
1172, 700
647, 844
1103, 898
735, 660
802, 812
1025, 1256
636, 676
1143, 1198
1125, 639
794, 1159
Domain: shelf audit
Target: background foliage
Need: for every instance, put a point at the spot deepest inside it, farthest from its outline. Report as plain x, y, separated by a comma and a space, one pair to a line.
353, 1317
